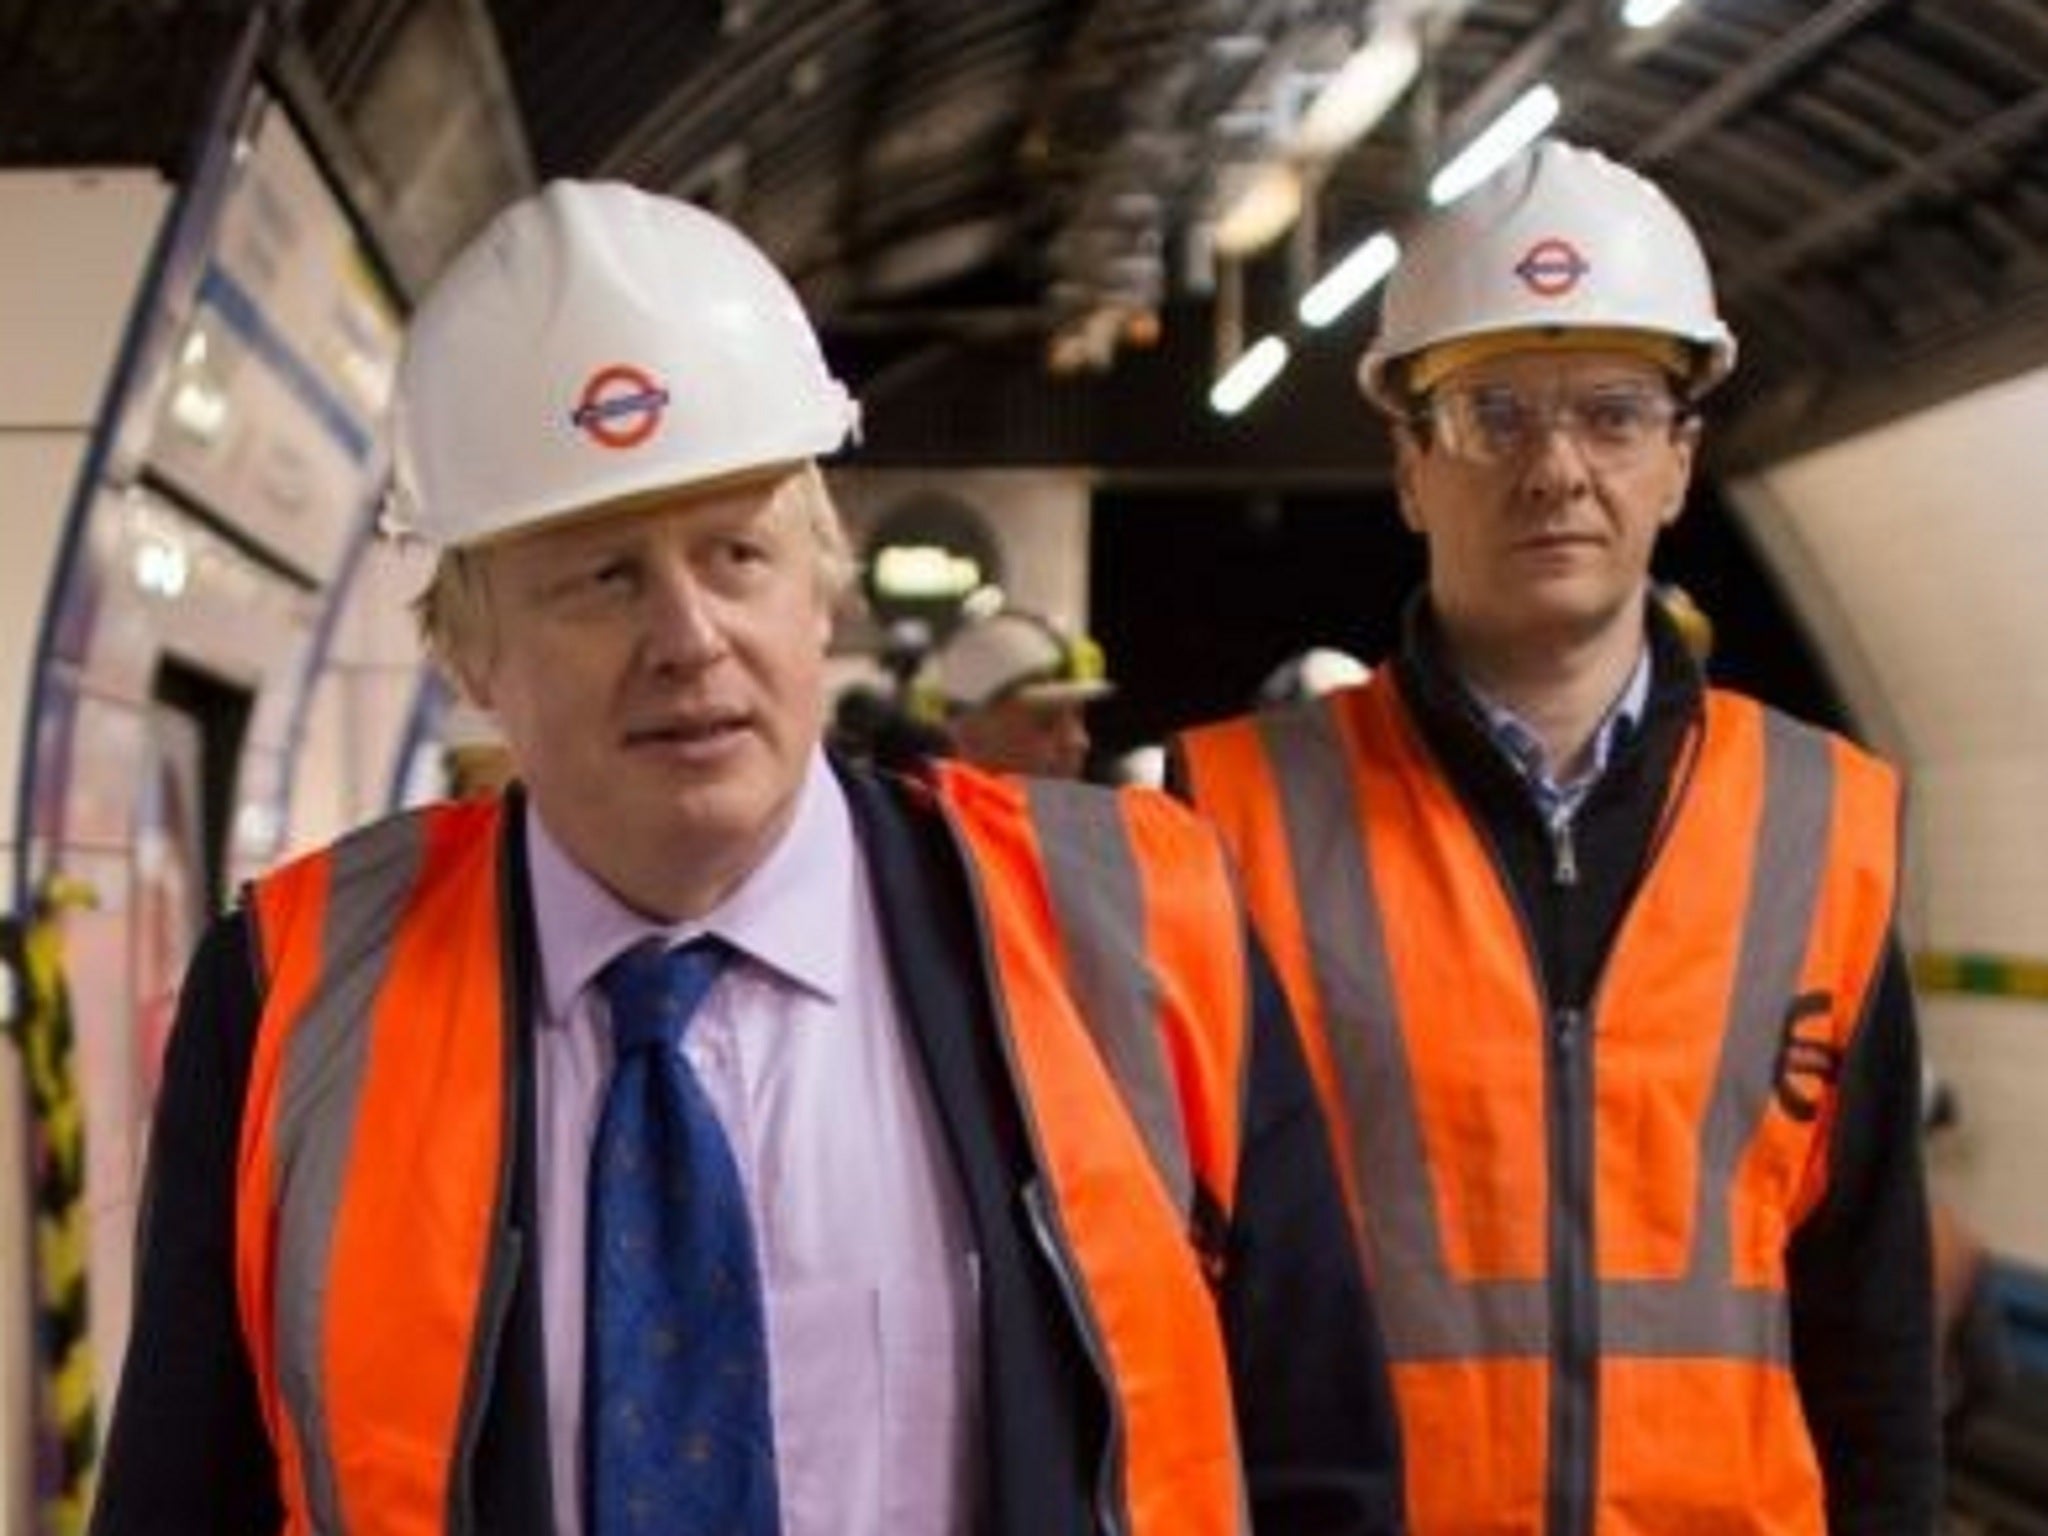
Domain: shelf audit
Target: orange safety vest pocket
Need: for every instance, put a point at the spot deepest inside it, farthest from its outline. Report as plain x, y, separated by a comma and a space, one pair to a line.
1472, 1441
1678, 1435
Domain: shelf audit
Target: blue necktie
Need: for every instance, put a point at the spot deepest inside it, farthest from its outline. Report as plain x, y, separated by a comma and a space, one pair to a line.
678, 1434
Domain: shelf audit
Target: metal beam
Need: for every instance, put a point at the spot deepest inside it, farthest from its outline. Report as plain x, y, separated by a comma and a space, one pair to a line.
700, 96
1816, 33
1995, 132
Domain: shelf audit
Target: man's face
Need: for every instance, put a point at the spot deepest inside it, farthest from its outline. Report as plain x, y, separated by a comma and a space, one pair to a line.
659, 673
1541, 483
1014, 735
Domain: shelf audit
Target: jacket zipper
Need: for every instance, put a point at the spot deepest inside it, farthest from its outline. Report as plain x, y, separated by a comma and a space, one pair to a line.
1572, 1436
1564, 853
1574, 1292
1574, 1298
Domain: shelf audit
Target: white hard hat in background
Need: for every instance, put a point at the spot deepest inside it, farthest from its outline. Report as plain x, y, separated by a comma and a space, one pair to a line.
595, 343
1314, 672
1014, 654
1559, 240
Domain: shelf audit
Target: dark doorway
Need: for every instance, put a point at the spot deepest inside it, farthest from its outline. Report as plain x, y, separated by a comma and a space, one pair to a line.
220, 711
1197, 595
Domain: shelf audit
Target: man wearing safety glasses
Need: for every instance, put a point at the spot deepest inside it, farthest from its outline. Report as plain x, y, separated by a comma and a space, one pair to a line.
1594, 963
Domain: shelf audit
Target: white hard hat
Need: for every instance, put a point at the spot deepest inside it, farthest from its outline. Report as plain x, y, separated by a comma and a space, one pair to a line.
1014, 654
595, 343
1560, 242
1314, 672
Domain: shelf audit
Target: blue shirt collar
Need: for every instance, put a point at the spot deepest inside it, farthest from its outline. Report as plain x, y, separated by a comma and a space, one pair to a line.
1524, 749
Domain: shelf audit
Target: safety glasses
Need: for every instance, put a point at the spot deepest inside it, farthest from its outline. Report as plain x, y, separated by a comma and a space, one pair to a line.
1612, 424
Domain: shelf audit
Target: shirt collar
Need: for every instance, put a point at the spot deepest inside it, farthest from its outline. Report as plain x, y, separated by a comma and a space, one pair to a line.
793, 913
1524, 748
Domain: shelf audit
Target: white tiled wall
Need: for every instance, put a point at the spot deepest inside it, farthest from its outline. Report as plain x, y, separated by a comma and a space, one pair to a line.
1918, 555
73, 247
362, 702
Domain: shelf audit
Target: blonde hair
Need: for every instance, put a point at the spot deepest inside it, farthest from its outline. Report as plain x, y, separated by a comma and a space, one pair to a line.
458, 626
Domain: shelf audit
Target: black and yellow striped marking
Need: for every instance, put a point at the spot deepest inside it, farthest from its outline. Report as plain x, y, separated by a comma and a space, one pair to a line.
40, 1024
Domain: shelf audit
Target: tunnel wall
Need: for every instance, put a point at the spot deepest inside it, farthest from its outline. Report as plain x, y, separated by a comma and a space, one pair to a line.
1918, 556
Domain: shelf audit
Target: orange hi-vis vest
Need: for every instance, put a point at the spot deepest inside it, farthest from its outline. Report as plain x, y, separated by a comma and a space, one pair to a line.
1691, 1105
373, 1257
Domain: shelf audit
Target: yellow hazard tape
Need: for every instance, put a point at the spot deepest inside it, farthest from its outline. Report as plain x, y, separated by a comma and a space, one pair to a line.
1980, 975
42, 1026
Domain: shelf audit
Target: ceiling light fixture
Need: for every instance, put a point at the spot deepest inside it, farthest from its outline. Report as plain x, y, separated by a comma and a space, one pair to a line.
925, 571
1348, 104
1644, 14
1349, 281
1248, 376
1262, 211
1506, 136
1358, 95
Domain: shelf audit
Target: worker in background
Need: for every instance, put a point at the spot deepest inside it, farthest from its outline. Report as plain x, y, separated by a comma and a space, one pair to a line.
1016, 689
1595, 964
873, 728
889, 726
698, 1137
1310, 674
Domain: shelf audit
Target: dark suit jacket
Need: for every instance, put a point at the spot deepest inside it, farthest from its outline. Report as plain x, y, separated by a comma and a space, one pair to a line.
188, 1451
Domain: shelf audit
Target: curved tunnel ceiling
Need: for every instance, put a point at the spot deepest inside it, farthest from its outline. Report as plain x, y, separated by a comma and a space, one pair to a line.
966, 192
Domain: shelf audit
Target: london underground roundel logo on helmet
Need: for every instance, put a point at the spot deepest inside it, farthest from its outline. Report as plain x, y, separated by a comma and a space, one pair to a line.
620, 406
1551, 268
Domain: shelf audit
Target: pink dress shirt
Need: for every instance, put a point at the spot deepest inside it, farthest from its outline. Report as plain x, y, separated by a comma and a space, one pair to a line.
864, 1247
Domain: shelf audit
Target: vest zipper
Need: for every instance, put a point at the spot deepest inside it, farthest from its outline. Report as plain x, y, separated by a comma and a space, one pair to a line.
1574, 1296
1045, 1228
1574, 1293
1574, 1353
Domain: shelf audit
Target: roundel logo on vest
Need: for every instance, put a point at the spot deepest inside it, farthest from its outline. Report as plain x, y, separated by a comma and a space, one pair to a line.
620, 406
1552, 268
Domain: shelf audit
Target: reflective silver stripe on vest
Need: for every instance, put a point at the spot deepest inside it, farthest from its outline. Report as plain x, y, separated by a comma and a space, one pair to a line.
1425, 1312
1098, 903
1703, 1313
318, 1096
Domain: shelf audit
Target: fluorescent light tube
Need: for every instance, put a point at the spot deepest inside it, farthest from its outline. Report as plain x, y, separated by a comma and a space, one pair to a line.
1507, 136
1349, 281
1250, 374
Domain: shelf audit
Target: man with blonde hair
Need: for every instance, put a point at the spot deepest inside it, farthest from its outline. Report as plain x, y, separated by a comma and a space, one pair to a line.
700, 1138
1015, 689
